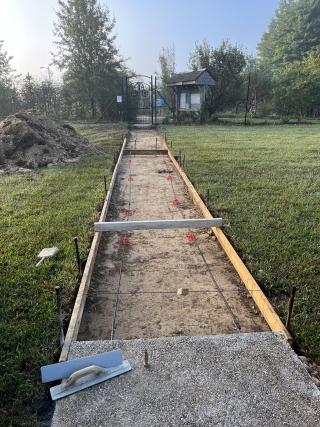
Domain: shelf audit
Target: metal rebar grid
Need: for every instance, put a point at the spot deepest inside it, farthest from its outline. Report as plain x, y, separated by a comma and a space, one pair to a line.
235, 322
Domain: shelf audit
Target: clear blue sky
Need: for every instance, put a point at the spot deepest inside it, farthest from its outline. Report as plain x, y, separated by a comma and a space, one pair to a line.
143, 28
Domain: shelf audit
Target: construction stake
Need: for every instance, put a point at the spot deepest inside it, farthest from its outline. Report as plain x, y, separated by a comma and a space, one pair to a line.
78, 257
60, 316
294, 288
146, 362
105, 185
207, 202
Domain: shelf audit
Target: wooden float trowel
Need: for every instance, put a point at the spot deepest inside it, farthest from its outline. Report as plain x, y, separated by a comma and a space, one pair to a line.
81, 373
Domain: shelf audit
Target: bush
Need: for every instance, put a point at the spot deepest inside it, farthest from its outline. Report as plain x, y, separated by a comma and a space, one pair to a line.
203, 113
213, 119
285, 119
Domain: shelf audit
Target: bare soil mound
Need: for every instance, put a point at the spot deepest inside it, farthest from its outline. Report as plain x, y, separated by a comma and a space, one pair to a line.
29, 140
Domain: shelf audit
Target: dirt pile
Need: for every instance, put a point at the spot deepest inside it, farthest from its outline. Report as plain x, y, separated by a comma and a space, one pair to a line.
29, 140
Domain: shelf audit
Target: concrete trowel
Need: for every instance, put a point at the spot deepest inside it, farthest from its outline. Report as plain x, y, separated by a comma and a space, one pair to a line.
79, 374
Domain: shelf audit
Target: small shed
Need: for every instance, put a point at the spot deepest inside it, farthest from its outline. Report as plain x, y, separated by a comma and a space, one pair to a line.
190, 88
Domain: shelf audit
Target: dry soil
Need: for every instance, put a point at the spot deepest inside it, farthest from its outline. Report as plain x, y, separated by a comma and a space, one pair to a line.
158, 262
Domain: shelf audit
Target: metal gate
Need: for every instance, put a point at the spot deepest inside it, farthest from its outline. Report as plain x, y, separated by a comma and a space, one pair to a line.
139, 99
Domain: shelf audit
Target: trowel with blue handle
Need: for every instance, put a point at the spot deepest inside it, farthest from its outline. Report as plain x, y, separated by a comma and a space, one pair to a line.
81, 373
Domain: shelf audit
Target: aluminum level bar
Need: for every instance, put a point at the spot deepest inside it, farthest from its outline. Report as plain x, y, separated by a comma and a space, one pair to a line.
157, 225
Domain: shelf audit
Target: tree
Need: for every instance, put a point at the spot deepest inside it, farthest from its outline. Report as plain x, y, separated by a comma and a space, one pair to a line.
293, 31
167, 62
86, 52
297, 86
260, 85
7, 89
226, 63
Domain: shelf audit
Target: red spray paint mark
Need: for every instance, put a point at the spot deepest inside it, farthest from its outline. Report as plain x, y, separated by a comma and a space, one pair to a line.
191, 237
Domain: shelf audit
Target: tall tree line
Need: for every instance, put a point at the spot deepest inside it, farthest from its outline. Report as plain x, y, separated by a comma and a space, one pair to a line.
91, 66
284, 76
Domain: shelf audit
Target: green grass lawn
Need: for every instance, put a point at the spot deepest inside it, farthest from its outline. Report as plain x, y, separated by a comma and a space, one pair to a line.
45, 209
265, 184
238, 119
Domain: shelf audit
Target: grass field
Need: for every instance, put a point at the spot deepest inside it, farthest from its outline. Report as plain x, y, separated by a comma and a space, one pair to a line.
238, 119
44, 209
265, 184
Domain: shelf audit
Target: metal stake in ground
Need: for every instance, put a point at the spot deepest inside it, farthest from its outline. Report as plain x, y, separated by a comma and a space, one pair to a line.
60, 316
184, 156
78, 257
146, 361
105, 185
207, 201
294, 288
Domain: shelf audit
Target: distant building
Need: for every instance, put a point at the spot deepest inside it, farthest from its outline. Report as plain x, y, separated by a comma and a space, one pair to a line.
190, 89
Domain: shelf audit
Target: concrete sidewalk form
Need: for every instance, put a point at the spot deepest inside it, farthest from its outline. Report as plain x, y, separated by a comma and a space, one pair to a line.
250, 380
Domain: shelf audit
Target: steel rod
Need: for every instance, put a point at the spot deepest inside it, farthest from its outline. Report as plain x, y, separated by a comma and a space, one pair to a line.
105, 185
207, 201
78, 256
60, 316
294, 288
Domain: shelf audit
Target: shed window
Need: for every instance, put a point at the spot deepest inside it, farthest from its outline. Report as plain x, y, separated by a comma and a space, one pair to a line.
195, 100
183, 99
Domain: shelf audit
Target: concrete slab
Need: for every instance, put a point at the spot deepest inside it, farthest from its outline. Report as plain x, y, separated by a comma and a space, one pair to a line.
247, 380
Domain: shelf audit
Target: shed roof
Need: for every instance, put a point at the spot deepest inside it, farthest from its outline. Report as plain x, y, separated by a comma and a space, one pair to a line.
189, 77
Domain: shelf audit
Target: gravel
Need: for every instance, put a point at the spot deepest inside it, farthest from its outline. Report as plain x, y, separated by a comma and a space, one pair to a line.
225, 380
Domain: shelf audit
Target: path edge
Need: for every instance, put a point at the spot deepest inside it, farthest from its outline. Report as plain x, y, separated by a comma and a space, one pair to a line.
77, 312
252, 286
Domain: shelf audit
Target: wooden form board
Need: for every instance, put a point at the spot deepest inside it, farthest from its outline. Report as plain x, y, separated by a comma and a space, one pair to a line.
260, 299
75, 321
157, 225
129, 151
